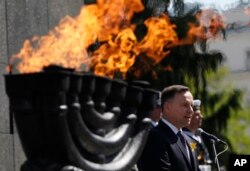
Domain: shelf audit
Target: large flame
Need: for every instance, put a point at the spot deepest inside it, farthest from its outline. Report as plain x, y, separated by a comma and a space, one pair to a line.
117, 55
247, 12
66, 45
211, 23
107, 22
160, 37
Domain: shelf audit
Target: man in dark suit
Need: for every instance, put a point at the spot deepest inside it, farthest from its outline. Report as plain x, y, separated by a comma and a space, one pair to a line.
165, 150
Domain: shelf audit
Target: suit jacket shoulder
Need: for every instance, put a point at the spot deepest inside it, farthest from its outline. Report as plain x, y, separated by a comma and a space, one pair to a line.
162, 152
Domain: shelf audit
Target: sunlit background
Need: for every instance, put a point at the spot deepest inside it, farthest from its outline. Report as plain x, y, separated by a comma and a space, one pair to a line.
217, 4
21, 20
236, 48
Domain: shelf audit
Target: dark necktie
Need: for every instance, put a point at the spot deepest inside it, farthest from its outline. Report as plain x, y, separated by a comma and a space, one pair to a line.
184, 143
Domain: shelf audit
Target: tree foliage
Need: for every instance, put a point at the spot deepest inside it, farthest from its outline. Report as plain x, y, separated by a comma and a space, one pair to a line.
191, 65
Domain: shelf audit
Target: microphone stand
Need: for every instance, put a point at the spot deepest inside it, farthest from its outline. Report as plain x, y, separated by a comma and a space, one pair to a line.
215, 154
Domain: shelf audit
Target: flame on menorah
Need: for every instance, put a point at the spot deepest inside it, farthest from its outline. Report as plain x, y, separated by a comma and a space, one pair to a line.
109, 23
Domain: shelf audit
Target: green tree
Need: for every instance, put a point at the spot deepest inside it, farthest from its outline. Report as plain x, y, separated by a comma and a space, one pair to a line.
239, 134
200, 70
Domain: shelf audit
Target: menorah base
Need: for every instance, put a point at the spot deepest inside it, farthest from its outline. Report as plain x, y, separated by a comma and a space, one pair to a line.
42, 165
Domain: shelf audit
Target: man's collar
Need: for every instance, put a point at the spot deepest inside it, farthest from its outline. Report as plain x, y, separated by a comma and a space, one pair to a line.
174, 129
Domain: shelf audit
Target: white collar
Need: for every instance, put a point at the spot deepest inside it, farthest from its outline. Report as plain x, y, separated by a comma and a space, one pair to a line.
195, 137
174, 129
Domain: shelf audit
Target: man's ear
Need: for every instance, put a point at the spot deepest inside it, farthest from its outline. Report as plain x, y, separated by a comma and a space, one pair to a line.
166, 106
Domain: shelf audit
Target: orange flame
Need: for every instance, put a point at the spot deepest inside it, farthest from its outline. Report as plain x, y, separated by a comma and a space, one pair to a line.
247, 12
66, 45
118, 55
113, 15
109, 22
210, 25
160, 37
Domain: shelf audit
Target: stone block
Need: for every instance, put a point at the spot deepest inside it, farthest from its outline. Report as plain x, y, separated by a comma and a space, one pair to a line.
3, 43
60, 9
6, 152
4, 101
16, 25
25, 20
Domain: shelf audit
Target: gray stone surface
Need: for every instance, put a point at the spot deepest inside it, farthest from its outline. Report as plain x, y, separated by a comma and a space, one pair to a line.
4, 112
36, 17
3, 46
18, 151
6, 152
59, 9
75, 7
16, 25
26, 18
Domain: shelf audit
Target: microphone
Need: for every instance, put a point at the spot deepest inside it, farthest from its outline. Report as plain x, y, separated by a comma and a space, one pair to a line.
210, 136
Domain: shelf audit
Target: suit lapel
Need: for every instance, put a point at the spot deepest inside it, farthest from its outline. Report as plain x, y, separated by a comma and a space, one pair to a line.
183, 150
176, 144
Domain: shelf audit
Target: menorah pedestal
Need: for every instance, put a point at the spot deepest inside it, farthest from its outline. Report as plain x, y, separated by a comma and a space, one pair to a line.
77, 121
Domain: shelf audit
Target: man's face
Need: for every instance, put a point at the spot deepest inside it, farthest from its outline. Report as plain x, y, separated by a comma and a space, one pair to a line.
179, 110
196, 120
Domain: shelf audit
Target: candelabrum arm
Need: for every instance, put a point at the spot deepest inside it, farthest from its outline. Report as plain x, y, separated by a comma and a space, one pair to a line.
93, 118
124, 160
96, 144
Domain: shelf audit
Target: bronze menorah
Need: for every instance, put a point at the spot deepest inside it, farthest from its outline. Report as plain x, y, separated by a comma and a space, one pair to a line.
90, 122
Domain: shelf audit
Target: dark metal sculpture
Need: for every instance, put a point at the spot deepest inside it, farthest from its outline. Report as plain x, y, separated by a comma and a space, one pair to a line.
69, 120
